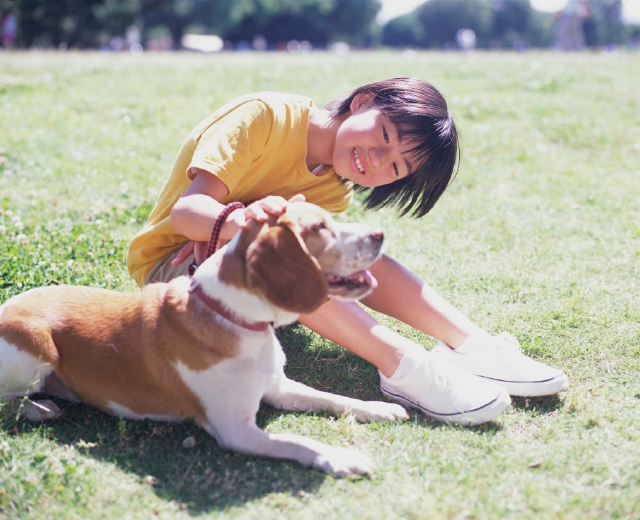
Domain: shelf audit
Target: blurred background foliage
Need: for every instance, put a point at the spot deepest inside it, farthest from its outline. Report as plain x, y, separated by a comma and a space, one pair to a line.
496, 23
501, 24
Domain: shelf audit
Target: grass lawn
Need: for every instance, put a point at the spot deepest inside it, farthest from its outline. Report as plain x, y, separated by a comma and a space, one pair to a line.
539, 235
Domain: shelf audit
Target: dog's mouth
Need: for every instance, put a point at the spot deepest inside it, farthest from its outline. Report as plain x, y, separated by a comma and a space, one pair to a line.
353, 286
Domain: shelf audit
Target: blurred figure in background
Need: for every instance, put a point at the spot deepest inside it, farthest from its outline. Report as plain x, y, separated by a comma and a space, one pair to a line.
569, 32
8, 30
466, 39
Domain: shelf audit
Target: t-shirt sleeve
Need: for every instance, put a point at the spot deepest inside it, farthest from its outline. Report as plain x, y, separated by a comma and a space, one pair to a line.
231, 144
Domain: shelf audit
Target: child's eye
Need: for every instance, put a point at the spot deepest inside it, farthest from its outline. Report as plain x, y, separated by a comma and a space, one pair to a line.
395, 169
385, 134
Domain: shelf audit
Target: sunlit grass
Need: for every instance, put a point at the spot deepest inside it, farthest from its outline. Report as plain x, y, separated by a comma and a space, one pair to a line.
538, 235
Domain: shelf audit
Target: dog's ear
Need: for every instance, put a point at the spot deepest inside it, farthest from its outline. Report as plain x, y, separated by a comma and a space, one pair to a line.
280, 266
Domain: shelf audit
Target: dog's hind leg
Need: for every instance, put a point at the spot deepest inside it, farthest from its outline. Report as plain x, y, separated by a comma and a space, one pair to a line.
53, 386
46, 409
291, 395
21, 373
40, 410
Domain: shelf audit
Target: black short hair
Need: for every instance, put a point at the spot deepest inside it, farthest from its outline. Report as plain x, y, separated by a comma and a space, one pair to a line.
419, 113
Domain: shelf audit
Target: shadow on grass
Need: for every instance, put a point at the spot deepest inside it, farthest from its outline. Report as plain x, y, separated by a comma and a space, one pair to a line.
538, 405
327, 367
207, 478
417, 418
204, 478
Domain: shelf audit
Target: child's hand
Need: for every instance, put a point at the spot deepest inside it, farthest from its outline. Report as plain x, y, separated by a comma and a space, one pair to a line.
261, 209
258, 210
184, 253
199, 250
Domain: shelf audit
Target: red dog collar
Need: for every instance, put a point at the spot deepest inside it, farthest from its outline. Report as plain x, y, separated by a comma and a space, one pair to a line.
216, 306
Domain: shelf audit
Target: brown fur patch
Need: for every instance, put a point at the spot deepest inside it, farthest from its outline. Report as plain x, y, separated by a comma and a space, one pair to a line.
233, 265
108, 346
280, 266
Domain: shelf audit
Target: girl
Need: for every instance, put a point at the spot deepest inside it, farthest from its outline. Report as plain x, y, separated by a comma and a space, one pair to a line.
396, 140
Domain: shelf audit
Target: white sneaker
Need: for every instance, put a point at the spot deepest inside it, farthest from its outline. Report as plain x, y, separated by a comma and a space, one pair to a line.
443, 391
499, 359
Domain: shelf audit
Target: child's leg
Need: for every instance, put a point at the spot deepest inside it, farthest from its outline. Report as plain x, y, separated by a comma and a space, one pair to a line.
404, 296
165, 271
348, 325
408, 373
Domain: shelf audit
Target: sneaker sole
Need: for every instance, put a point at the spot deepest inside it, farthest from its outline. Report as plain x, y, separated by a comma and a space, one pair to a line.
533, 388
469, 418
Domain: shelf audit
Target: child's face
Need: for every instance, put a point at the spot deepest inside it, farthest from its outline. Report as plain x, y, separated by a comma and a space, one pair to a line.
367, 150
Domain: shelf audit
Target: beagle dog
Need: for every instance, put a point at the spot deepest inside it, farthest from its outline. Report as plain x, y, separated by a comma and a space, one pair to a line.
203, 347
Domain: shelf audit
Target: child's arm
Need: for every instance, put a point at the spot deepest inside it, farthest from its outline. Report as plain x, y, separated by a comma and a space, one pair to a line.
196, 211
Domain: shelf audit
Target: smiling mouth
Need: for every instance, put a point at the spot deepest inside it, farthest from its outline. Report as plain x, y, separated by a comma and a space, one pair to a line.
357, 159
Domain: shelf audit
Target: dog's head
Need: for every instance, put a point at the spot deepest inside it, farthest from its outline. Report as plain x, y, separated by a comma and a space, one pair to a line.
303, 257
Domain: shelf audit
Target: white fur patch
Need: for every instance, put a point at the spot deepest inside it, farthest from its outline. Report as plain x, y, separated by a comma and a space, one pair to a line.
20, 372
230, 392
240, 302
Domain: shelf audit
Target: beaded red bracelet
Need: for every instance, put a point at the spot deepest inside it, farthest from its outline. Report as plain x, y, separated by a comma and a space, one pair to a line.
215, 232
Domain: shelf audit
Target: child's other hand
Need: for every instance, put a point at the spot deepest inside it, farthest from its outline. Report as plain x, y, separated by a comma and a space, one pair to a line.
198, 249
184, 253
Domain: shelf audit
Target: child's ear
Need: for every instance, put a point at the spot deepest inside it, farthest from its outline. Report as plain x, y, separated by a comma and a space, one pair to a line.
359, 100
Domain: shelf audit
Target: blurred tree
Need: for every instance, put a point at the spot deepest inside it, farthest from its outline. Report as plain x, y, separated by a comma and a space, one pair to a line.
439, 20
85, 23
318, 21
497, 23
45, 23
178, 15
74, 23
510, 20
605, 25
114, 16
515, 21
540, 29
403, 31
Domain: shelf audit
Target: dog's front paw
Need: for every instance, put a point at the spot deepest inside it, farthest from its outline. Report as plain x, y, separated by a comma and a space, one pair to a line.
378, 411
342, 462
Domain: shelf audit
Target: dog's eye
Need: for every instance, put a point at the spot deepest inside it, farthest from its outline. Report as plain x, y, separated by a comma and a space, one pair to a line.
318, 227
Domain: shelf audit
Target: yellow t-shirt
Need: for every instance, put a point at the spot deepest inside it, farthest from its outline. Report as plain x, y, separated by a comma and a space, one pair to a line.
257, 146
